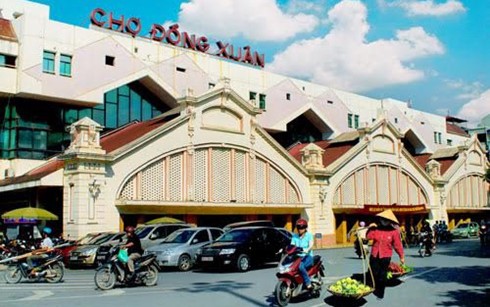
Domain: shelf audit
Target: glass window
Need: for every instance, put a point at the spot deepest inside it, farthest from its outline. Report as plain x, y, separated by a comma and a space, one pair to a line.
356, 121
216, 233
349, 120
201, 236
48, 62
65, 65
146, 110
40, 139
135, 106
124, 90
123, 111
25, 138
111, 116
262, 101
85, 113
7, 60
252, 95
98, 116
111, 96
435, 137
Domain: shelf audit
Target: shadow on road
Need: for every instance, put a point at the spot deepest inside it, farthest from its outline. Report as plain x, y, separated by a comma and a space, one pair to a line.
467, 298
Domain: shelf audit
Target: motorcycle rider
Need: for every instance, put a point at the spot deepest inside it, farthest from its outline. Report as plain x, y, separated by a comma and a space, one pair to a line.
304, 239
135, 250
430, 241
39, 254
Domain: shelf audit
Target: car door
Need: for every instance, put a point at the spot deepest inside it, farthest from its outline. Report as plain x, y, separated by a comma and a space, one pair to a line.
258, 247
201, 238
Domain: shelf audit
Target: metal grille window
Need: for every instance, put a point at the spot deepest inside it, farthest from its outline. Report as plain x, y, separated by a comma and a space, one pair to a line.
65, 65
48, 62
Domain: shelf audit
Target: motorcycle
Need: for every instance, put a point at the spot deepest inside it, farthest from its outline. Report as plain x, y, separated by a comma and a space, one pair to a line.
290, 282
47, 266
115, 270
425, 244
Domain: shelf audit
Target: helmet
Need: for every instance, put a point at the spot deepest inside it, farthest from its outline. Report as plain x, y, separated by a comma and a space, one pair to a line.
47, 230
301, 224
130, 229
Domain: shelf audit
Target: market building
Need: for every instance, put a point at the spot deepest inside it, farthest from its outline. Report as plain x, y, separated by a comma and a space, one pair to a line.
105, 127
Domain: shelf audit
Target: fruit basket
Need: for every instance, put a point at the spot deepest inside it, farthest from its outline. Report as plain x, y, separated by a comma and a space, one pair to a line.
396, 270
349, 288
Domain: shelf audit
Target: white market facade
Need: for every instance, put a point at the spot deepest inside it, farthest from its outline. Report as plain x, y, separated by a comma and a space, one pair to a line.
219, 153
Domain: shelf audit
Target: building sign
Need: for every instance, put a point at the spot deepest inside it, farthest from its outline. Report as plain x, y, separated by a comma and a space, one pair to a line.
395, 208
173, 36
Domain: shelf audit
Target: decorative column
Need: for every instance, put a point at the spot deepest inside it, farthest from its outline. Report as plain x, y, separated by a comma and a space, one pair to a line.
85, 206
320, 217
438, 210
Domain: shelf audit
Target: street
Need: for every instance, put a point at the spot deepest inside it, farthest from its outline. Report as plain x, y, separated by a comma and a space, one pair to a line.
458, 274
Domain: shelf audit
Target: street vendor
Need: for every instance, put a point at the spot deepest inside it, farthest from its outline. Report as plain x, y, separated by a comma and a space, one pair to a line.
386, 237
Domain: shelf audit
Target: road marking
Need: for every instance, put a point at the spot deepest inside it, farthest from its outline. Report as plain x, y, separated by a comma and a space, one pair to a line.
113, 292
418, 274
38, 294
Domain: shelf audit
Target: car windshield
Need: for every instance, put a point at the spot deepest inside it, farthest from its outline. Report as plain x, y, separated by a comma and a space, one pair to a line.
101, 239
464, 225
86, 239
236, 235
181, 236
143, 231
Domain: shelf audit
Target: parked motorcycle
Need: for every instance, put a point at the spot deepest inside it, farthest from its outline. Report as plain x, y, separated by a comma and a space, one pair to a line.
115, 270
46, 266
290, 282
425, 244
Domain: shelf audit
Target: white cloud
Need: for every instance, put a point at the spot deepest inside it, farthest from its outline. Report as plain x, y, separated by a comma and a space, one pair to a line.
255, 20
426, 7
344, 59
476, 109
468, 90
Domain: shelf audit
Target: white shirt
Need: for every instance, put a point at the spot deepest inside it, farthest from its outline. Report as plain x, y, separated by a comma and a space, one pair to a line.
47, 243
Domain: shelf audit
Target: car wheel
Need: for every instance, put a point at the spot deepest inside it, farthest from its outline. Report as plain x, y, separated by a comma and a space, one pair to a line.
243, 263
185, 263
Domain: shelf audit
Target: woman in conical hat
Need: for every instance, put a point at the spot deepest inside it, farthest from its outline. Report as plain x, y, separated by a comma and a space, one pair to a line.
386, 238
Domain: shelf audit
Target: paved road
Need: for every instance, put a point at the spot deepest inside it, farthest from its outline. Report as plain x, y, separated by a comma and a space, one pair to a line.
457, 275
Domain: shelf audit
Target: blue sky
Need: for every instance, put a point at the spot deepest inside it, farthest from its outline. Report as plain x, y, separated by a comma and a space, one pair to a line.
434, 53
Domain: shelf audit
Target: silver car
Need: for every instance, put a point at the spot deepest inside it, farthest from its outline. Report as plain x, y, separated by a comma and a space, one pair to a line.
179, 248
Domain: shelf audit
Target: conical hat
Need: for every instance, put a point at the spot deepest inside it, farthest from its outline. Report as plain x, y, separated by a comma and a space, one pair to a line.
388, 214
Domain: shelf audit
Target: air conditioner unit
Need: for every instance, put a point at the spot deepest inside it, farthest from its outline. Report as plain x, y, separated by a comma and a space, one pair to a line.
9, 172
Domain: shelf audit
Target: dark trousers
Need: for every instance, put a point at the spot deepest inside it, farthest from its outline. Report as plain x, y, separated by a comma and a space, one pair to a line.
379, 266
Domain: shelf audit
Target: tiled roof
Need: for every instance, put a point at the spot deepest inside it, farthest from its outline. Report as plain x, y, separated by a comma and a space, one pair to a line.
333, 151
111, 141
455, 129
117, 138
446, 162
6, 30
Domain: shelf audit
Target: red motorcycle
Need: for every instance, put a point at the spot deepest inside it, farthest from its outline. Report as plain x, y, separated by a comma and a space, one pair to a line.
290, 282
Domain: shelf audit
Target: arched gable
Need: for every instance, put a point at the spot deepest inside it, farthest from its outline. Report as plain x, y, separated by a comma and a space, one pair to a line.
382, 184
211, 174
468, 191
222, 119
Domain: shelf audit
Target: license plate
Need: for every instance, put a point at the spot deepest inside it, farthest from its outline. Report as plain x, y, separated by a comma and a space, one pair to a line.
73, 258
207, 258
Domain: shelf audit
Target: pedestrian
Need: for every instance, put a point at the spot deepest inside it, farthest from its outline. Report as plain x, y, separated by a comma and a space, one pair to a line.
135, 250
304, 239
386, 237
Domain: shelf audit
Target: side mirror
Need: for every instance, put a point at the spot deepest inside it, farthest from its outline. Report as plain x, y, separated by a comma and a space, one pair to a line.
153, 236
194, 241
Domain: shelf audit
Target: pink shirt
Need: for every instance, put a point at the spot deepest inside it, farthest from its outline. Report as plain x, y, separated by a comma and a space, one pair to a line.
384, 241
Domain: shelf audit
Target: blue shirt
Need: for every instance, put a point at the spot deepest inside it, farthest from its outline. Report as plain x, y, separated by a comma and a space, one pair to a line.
303, 242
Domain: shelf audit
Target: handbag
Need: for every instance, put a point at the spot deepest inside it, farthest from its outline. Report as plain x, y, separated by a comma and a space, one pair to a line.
123, 255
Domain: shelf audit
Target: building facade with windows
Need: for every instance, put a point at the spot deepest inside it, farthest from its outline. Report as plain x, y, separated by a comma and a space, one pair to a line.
105, 128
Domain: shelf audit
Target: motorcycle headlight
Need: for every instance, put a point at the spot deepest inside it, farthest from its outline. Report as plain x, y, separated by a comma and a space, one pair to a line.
227, 251
284, 268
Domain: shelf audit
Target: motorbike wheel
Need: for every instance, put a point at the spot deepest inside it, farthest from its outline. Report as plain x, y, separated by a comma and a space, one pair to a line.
151, 278
57, 270
185, 263
105, 279
13, 275
282, 294
243, 263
